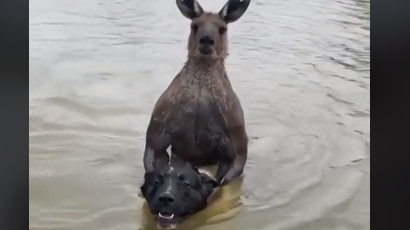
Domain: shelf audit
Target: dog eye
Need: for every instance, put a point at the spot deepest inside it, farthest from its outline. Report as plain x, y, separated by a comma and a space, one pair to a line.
157, 180
187, 185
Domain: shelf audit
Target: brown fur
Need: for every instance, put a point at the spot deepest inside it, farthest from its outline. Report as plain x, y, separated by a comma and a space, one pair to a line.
213, 23
199, 115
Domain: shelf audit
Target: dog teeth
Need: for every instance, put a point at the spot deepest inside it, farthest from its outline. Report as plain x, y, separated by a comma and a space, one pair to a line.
166, 216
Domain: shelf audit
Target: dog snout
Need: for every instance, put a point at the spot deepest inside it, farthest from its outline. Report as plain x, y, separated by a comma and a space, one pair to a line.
166, 198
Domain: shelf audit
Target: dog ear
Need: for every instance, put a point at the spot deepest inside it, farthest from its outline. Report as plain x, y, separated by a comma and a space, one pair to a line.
195, 168
208, 180
148, 178
143, 189
208, 185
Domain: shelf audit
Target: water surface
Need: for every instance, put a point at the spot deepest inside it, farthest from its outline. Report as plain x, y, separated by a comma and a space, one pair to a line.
300, 69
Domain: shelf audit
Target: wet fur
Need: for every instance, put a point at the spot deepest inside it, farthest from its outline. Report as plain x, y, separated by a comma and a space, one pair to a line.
199, 115
189, 189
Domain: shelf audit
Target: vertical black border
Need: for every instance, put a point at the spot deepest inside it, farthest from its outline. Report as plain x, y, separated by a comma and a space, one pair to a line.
14, 75
390, 132
390, 114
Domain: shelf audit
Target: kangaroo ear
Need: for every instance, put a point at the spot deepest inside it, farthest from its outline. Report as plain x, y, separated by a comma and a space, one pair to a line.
233, 10
190, 8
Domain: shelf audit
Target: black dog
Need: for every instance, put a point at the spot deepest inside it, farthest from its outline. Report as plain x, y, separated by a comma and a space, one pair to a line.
175, 191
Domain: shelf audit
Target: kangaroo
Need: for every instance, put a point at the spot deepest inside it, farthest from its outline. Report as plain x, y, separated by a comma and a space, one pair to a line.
199, 115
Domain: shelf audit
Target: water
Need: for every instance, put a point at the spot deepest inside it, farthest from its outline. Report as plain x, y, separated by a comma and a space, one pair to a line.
300, 68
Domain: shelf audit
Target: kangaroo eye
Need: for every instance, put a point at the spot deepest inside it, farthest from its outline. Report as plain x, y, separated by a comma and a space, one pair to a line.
222, 30
194, 28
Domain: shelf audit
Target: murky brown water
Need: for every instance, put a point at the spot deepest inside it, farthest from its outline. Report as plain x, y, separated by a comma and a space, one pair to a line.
300, 68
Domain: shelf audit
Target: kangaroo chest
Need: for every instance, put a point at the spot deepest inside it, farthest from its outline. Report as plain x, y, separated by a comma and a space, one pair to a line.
197, 120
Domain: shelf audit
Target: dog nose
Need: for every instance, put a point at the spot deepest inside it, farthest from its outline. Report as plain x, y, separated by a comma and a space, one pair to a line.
166, 198
206, 40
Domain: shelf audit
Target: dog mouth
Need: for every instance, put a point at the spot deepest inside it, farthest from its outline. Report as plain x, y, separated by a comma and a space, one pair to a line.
166, 220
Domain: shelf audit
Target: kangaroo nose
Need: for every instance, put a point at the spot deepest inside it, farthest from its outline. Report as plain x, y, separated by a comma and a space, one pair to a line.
166, 198
206, 40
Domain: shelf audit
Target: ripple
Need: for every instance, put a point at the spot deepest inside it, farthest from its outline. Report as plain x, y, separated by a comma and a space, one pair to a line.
293, 154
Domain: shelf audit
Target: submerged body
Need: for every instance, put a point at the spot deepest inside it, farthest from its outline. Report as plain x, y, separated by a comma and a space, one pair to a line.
198, 116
